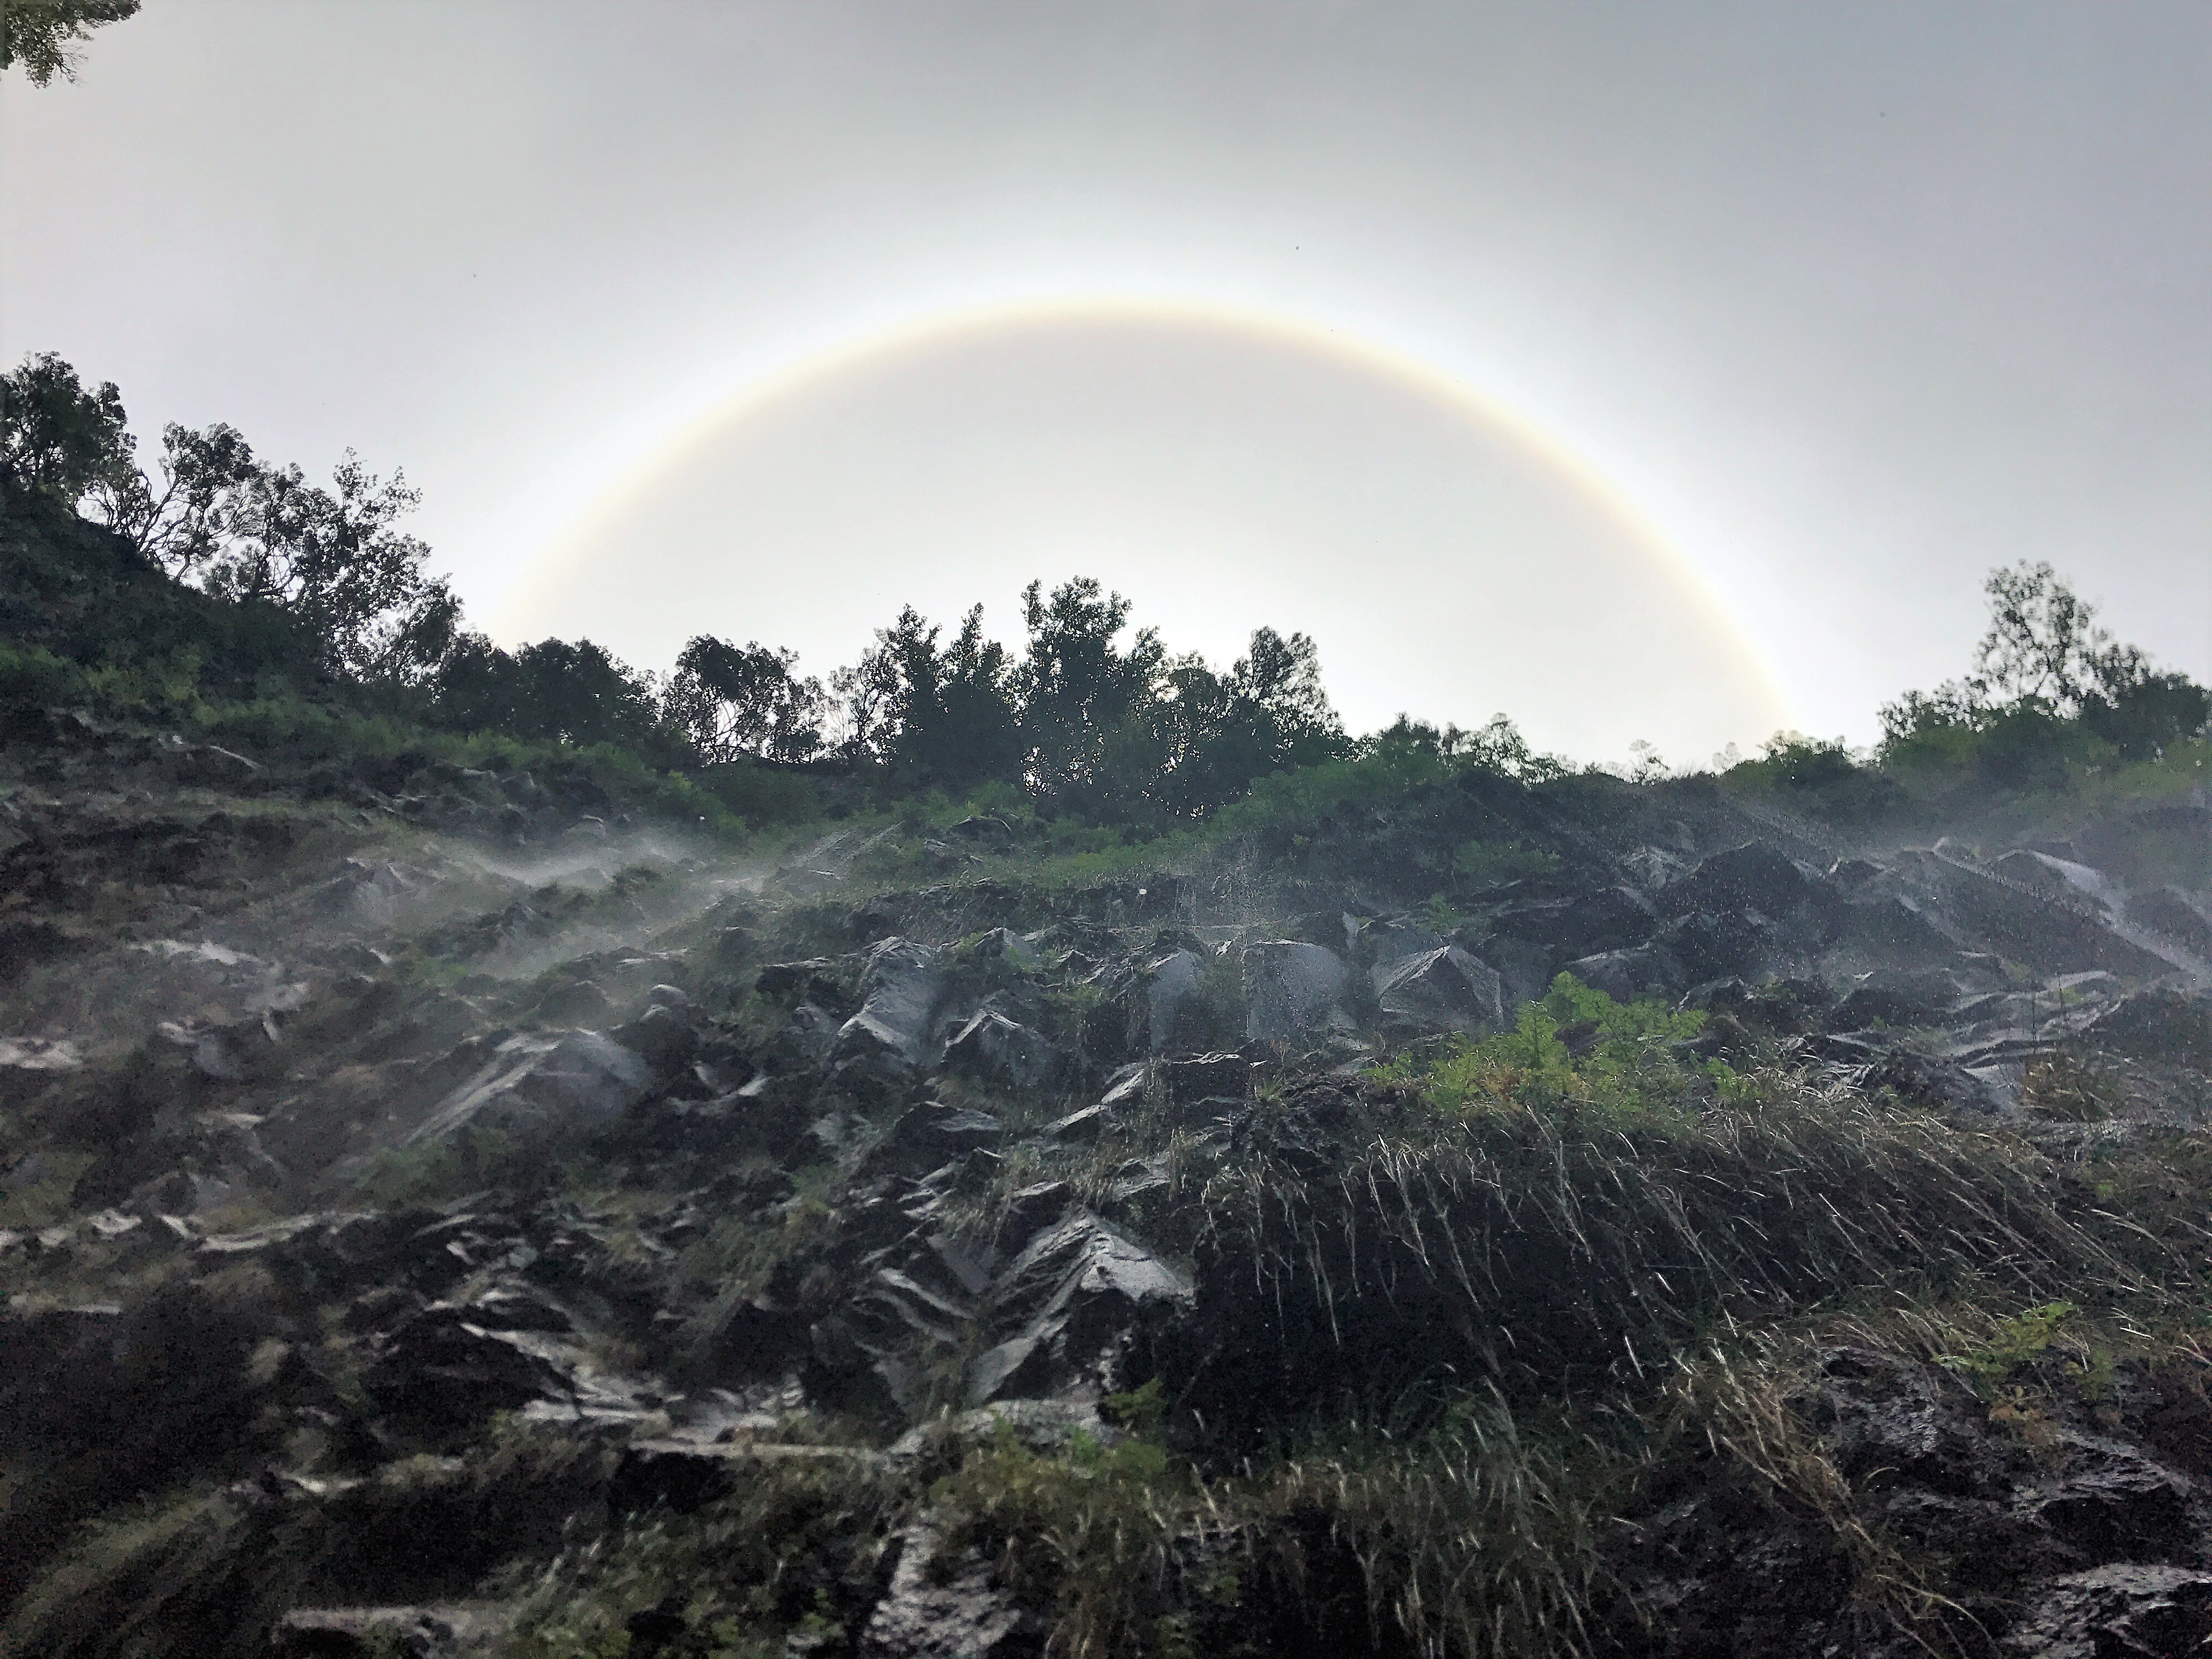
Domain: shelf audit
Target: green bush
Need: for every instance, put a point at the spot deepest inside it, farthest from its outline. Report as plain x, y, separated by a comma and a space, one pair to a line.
1573, 1048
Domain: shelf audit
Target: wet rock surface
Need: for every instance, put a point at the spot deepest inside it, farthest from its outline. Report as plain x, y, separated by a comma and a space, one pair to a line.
419, 1186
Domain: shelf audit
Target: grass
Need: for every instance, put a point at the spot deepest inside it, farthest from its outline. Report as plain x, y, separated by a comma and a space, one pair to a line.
799, 1542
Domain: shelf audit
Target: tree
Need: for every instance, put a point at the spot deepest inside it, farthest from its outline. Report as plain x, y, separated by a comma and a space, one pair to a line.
59, 439
2141, 713
947, 716
193, 515
729, 701
552, 691
2043, 643
1217, 733
1077, 689
2043, 662
44, 36
331, 559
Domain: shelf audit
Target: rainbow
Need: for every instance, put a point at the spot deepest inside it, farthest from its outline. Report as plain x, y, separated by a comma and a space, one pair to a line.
661, 443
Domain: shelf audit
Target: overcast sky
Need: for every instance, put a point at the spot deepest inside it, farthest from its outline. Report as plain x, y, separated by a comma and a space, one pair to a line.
1534, 357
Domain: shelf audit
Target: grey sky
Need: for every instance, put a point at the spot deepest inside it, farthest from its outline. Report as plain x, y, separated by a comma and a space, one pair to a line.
1853, 302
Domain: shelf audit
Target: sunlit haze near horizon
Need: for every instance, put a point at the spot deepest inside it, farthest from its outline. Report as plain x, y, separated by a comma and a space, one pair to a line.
1671, 373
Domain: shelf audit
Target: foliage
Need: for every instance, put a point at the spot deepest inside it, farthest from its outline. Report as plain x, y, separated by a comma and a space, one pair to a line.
553, 690
946, 716
330, 560
44, 35
189, 518
1489, 864
729, 701
57, 436
1574, 1047
1818, 776
2046, 680
2016, 1342
1541, 1222
1080, 689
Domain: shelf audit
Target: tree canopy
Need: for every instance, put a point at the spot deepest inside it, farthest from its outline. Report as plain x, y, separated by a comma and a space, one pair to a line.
1087, 714
2042, 662
46, 37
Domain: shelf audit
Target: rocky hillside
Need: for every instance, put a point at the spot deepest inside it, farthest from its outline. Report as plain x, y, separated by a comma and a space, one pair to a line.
452, 1211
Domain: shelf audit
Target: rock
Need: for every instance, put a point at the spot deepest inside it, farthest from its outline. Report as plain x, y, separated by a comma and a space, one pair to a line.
378, 1633
1087, 1124
1047, 1426
994, 1047
2116, 1610
890, 1037
1653, 867
1030, 1208
2165, 911
926, 1136
1608, 919
1171, 981
2060, 877
1891, 996
814, 978
663, 1036
1293, 990
1759, 877
1381, 941
1004, 948
1925, 1078
2158, 1025
985, 831
1444, 989
1222, 1076
805, 1042
774, 1110
2116, 1502
38, 1054
1126, 1085
936, 1610
688, 1474
542, 1083
1643, 970
444, 1372
2050, 931
1078, 1294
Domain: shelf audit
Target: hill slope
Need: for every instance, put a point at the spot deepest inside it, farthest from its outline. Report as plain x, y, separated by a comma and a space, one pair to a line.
441, 1216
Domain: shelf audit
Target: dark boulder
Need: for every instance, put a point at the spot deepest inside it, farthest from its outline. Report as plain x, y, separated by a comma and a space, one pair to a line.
1294, 991
2115, 1612
2166, 912
2166, 1025
1078, 1299
1752, 877
1894, 996
664, 1037
1443, 989
1000, 1050
892, 1036
541, 1083
429, 1632
1607, 919
929, 1135
1643, 970
1220, 1076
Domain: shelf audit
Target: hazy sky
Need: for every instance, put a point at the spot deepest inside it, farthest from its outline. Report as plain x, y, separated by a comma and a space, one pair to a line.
1668, 371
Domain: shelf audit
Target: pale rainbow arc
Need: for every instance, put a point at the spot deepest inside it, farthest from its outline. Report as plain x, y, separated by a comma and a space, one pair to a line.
937, 330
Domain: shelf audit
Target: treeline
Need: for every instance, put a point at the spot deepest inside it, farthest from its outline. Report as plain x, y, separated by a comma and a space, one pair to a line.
2051, 702
273, 580
1089, 716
